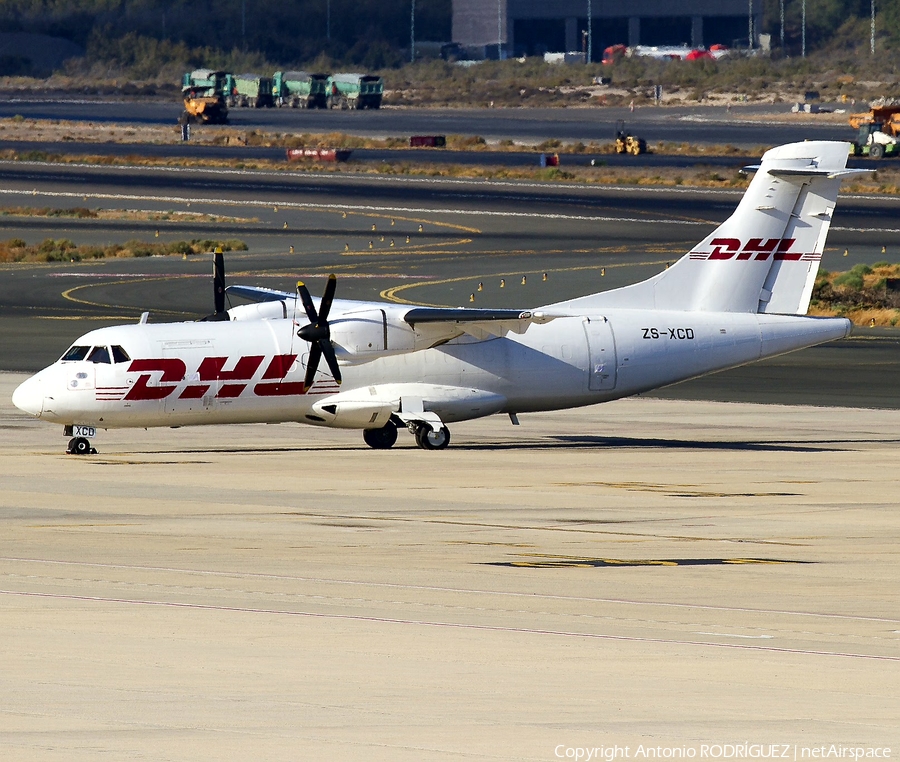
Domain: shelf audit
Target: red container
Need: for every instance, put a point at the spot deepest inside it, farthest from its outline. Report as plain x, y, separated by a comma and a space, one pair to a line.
319, 154
428, 141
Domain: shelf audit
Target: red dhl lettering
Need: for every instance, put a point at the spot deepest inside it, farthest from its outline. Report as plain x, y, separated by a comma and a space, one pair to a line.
757, 249
172, 370
171, 373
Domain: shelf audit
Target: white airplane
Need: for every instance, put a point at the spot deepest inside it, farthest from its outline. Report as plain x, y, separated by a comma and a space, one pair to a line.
738, 296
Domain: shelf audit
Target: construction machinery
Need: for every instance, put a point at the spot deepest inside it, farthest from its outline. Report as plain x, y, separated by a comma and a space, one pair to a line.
300, 89
357, 91
877, 132
203, 93
628, 143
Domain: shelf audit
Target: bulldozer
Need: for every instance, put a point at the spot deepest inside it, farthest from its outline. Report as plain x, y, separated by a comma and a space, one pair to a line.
204, 106
628, 143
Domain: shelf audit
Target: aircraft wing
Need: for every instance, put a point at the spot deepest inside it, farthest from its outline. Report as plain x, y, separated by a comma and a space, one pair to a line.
479, 323
259, 294
434, 323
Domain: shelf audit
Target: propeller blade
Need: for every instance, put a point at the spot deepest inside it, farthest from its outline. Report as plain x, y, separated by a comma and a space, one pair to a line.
306, 300
327, 298
312, 365
331, 359
219, 280
218, 288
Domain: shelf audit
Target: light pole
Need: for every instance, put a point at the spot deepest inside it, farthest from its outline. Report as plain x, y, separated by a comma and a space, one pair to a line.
803, 24
499, 29
750, 25
328, 20
872, 32
412, 32
781, 13
591, 33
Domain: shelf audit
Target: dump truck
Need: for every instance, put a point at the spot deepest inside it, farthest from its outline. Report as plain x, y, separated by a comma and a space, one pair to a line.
300, 89
877, 132
207, 79
203, 92
355, 91
251, 90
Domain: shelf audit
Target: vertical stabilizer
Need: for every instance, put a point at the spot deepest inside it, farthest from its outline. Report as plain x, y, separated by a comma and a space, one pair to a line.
763, 258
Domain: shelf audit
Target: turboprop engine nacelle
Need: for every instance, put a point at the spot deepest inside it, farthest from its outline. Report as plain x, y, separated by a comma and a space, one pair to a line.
273, 310
363, 336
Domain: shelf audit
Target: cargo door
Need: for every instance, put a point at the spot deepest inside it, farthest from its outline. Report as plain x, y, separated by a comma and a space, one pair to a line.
601, 353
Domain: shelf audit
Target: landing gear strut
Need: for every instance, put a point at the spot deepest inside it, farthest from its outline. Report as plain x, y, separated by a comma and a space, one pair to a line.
383, 438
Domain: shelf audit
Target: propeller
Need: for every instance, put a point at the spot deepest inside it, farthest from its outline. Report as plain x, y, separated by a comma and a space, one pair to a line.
318, 332
218, 287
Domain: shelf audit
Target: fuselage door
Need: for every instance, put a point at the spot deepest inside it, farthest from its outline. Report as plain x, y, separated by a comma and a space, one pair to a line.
602, 354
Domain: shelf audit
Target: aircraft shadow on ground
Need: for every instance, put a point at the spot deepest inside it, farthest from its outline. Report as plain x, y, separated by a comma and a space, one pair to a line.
560, 442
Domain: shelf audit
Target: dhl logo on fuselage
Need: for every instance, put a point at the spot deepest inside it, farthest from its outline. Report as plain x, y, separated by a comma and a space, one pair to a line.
756, 248
212, 370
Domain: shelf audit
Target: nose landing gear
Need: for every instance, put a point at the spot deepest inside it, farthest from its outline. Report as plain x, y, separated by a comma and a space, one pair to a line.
80, 446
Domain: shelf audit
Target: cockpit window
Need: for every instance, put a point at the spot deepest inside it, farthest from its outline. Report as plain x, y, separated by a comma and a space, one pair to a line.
99, 355
119, 354
76, 353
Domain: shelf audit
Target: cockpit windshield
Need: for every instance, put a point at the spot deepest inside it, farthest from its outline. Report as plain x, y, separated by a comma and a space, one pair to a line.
119, 354
96, 354
99, 355
76, 353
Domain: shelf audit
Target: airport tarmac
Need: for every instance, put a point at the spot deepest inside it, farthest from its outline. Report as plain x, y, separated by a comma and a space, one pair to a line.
646, 573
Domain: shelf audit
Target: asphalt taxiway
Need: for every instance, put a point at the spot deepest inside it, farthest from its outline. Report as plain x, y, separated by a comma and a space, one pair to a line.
648, 573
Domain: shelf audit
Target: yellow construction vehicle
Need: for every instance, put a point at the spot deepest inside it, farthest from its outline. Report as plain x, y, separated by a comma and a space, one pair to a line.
203, 105
878, 132
887, 116
628, 143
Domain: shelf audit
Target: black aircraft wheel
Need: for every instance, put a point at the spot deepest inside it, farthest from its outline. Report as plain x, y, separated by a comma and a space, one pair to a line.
429, 439
79, 446
381, 439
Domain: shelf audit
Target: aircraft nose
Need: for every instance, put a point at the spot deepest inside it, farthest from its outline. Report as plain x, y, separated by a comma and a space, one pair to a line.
29, 397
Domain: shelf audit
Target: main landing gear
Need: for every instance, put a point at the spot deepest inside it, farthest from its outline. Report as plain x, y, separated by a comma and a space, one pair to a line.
426, 437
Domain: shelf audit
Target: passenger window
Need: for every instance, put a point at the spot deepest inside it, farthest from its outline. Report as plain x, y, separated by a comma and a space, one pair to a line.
119, 354
76, 353
99, 355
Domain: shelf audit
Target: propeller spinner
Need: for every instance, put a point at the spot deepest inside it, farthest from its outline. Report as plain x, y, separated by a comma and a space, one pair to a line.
318, 332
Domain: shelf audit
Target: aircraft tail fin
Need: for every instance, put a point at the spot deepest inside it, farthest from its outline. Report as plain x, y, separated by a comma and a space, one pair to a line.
764, 258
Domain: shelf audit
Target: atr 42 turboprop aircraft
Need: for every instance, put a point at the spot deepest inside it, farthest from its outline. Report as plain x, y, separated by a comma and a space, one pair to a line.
738, 296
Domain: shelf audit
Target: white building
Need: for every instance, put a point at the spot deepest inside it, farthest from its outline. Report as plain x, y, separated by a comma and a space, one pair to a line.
534, 27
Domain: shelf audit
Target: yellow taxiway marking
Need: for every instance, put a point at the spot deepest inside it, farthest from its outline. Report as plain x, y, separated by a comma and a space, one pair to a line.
68, 294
